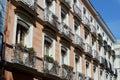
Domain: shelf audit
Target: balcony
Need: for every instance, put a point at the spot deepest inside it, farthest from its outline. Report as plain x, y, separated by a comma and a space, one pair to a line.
23, 56
66, 31
77, 11
93, 29
50, 66
29, 5
107, 65
79, 76
66, 72
95, 54
88, 78
86, 21
51, 19
101, 60
115, 72
100, 39
88, 49
67, 3
78, 41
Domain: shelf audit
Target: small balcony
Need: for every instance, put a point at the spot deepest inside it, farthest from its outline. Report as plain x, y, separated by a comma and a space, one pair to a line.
101, 60
67, 3
100, 39
23, 56
115, 72
50, 66
78, 41
50, 19
88, 49
77, 11
107, 65
65, 30
95, 54
29, 5
86, 21
66, 72
93, 29
88, 78
79, 76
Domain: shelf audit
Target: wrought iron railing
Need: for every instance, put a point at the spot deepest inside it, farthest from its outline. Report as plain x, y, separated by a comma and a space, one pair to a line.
86, 21
95, 54
93, 29
66, 30
68, 2
23, 56
51, 17
101, 60
29, 3
50, 67
88, 78
79, 76
78, 40
88, 48
66, 72
115, 72
77, 10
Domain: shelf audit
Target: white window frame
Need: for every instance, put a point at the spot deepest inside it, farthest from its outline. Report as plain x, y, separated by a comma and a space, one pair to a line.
29, 37
52, 48
67, 55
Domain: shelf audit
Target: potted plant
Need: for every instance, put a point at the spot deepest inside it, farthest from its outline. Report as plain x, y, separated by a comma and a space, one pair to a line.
65, 66
48, 58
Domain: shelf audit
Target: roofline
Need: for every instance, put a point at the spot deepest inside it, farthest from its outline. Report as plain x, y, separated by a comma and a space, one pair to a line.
100, 20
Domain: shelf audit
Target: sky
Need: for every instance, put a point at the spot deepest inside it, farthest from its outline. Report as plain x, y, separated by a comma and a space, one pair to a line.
110, 12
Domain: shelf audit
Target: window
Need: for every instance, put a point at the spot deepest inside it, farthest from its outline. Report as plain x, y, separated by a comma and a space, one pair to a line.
95, 73
86, 33
21, 31
48, 46
88, 68
101, 74
77, 63
75, 1
103, 33
76, 27
84, 10
91, 19
97, 27
64, 55
50, 5
63, 16
93, 40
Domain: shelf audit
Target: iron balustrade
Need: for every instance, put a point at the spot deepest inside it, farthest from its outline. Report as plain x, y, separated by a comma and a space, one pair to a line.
88, 78
79, 76
51, 67
88, 49
66, 30
30, 3
93, 29
77, 10
51, 17
86, 21
95, 54
101, 60
20, 55
78, 40
68, 2
66, 73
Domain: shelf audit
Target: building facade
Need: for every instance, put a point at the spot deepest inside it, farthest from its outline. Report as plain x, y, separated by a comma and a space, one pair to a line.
117, 59
56, 40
